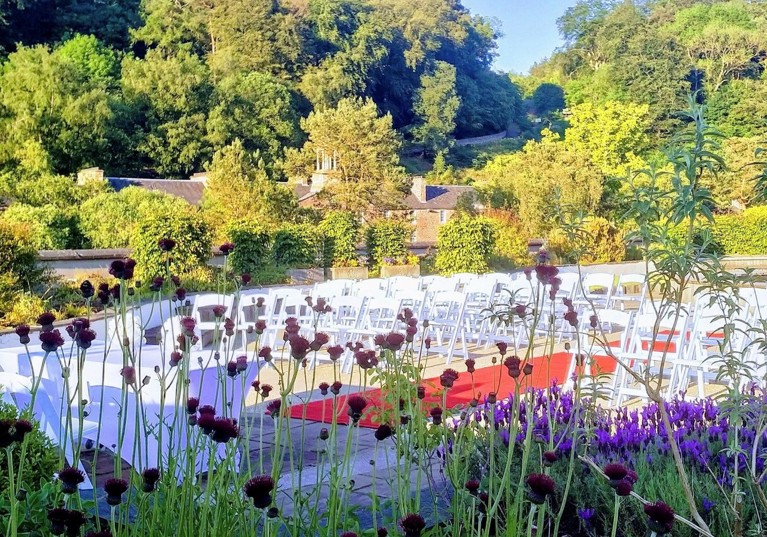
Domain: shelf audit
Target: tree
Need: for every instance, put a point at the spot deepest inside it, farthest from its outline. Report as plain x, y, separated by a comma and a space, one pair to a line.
543, 179
437, 104
169, 98
60, 99
367, 177
612, 135
239, 189
548, 98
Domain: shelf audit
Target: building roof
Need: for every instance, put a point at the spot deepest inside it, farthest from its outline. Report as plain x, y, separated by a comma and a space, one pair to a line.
190, 190
438, 197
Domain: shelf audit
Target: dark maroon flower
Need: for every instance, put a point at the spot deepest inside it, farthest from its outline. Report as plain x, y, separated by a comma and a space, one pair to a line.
224, 429
242, 363
86, 289
218, 311
382, 532
520, 310
299, 347
129, 374
259, 489
593, 321
70, 478
51, 340
502, 346
572, 318
58, 518
383, 432
256, 384
324, 388
472, 485
85, 338
412, 525
324, 434
114, 489
492, 397
226, 248
75, 521
320, 339
150, 477
632, 477
356, 405
335, 388
470, 363
448, 378
229, 327
394, 341
379, 340
246, 278
192, 404
21, 429
623, 488
207, 410
420, 392
513, 364
436, 415
549, 458
541, 486
265, 353
166, 245
175, 358
273, 408
265, 390
180, 293
427, 343
527, 369
366, 358
188, 324
660, 517
260, 326
46, 321
23, 332
231, 369
615, 472
335, 352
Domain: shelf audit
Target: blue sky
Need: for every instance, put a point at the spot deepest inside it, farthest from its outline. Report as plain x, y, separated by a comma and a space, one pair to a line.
529, 28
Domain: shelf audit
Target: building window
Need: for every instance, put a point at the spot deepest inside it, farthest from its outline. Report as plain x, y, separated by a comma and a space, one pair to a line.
442, 217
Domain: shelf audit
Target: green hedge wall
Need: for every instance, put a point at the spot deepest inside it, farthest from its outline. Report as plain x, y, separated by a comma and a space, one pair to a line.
298, 245
465, 244
386, 238
251, 246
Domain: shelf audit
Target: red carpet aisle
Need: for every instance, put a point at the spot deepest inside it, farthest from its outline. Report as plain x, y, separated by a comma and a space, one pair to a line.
486, 380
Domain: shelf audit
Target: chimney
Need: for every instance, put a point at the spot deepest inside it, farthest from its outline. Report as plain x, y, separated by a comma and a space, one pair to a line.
419, 188
89, 174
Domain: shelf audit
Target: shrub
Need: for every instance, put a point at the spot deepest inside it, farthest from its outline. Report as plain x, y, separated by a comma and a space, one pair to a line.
464, 244
251, 251
341, 231
387, 238
193, 244
297, 245
511, 245
598, 241
19, 270
50, 228
41, 458
742, 234
109, 220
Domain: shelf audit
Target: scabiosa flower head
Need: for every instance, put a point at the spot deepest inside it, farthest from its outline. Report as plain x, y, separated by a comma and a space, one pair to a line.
299, 347
192, 404
166, 245
472, 485
259, 489
207, 410
218, 311
75, 521
502, 347
245, 278
324, 433
224, 429
320, 339
58, 518
87, 289
366, 358
324, 388
427, 343
615, 472
632, 477
623, 488
382, 532
129, 374
260, 326
335, 388
231, 368
21, 429
175, 358
180, 293
660, 517
266, 390
513, 364
470, 363
229, 327
188, 324
393, 341
420, 392
572, 318
51, 340
226, 248
150, 477
540, 486
85, 338
6, 432
383, 432
23, 332
356, 405
265, 353
520, 310
115, 488
70, 478
527, 369
273, 408
436, 415
206, 422
413, 524
46, 320
549, 458
448, 378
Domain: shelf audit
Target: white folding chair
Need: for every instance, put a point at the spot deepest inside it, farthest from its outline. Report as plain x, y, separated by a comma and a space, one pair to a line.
446, 324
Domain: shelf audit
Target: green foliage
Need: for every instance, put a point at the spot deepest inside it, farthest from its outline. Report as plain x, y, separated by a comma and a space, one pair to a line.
548, 98
297, 245
18, 259
386, 238
464, 244
239, 188
41, 456
742, 234
109, 220
50, 228
512, 248
193, 244
341, 231
597, 241
437, 104
251, 246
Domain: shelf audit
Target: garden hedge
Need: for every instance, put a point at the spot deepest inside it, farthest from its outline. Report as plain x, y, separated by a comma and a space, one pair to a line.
464, 244
341, 231
252, 246
387, 238
298, 245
